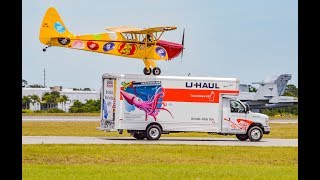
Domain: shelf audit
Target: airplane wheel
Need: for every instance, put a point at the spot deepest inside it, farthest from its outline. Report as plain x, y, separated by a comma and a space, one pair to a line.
156, 71
146, 71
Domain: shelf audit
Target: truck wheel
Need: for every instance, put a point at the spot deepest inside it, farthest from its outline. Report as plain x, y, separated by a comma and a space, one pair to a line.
242, 137
153, 132
255, 133
139, 136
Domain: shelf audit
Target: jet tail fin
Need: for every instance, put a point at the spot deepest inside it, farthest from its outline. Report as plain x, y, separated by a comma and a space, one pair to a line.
282, 82
52, 26
272, 87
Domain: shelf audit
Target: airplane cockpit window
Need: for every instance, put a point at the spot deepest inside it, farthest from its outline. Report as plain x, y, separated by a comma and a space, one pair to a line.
141, 37
236, 107
129, 36
146, 37
149, 38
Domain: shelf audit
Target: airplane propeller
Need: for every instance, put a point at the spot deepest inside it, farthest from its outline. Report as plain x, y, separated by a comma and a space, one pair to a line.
182, 43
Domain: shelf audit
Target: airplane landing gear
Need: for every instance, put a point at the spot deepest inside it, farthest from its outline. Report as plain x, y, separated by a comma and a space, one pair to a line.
156, 71
146, 71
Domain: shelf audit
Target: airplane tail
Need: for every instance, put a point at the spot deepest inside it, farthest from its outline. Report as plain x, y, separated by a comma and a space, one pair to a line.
271, 87
281, 82
52, 26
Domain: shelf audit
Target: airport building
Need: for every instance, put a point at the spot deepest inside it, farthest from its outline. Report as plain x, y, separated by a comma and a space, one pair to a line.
72, 95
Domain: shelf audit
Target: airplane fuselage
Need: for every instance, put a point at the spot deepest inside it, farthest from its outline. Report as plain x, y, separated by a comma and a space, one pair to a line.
116, 44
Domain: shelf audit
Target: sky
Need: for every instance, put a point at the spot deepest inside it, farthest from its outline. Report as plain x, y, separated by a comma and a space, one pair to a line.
248, 39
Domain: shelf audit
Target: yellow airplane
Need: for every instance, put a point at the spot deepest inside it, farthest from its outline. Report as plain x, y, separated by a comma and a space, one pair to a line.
144, 44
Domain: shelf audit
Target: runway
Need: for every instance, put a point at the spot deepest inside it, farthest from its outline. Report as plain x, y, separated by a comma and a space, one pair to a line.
165, 140
283, 121
97, 119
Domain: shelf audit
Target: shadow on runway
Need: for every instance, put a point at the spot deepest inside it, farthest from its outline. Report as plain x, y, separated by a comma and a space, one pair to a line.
176, 139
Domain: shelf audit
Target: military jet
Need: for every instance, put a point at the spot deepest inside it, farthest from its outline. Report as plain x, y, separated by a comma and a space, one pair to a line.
269, 94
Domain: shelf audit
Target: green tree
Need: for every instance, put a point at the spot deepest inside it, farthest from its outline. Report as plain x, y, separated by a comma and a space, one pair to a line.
63, 99
51, 99
26, 101
55, 96
252, 89
80, 89
291, 90
34, 98
24, 83
47, 99
90, 106
86, 89
281, 111
36, 86
77, 107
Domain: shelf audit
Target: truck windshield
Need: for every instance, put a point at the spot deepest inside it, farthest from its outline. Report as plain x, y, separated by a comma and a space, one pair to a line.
236, 107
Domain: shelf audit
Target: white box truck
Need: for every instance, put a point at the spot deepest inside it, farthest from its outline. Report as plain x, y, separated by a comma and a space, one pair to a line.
148, 106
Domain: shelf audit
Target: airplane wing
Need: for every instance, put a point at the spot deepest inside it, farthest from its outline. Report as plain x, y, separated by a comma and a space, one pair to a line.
123, 28
134, 30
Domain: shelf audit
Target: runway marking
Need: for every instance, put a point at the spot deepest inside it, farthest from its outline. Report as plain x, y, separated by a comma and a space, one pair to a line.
165, 140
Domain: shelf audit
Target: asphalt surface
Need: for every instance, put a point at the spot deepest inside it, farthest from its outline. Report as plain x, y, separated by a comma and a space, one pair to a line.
284, 121
96, 119
164, 140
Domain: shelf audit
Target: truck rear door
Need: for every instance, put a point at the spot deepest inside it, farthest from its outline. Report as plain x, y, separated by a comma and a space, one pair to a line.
108, 101
233, 116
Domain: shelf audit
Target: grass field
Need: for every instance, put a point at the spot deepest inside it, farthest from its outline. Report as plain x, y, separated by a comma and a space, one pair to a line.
89, 129
284, 117
61, 114
158, 162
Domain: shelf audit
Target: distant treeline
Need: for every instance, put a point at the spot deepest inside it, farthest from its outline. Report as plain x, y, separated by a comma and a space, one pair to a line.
281, 111
291, 90
91, 106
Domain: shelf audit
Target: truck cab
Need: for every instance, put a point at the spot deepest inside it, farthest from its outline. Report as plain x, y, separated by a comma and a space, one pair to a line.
238, 119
